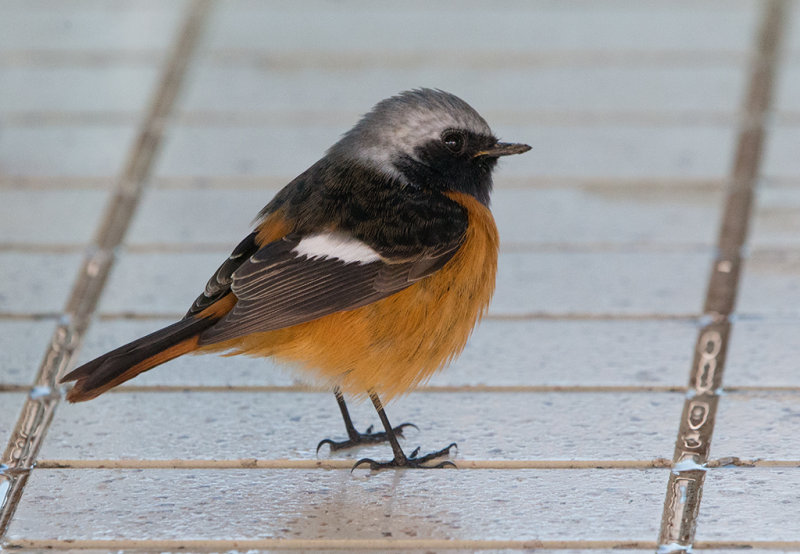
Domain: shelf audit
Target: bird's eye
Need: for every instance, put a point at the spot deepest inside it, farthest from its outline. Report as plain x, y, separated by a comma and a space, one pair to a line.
453, 140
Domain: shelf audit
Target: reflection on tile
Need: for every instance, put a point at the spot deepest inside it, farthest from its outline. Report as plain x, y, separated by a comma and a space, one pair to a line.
208, 504
277, 425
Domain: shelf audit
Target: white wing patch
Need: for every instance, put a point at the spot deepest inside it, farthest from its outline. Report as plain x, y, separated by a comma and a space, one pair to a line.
336, 245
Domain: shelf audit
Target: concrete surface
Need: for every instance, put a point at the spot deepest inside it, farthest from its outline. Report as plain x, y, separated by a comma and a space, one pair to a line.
567, 401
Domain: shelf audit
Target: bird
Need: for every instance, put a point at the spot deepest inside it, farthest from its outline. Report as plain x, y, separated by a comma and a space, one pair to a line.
368, 271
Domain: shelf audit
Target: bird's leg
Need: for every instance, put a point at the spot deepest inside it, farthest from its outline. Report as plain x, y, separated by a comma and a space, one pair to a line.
400, 459
356, 438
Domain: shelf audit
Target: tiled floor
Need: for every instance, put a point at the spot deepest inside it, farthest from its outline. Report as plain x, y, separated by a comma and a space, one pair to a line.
567, 402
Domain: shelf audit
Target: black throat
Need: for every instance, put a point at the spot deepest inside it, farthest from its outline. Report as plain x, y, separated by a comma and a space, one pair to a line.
432, 168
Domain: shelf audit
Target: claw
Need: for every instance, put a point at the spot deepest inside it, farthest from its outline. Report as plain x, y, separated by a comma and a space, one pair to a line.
411, 461
364, 438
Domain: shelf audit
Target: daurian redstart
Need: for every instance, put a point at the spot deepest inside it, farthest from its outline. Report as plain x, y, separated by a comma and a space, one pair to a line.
369, 270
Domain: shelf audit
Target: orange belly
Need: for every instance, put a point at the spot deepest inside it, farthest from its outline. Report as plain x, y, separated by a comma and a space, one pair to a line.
394, 344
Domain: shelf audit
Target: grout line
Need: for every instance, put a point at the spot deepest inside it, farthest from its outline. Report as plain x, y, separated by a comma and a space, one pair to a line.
373, 545
618, 183
256, 463
38, 316
685, 486
37, 413
276, 182
578, 117
298, 118
370, 545
79, 58
505, 247
435, 389
486, 59
531, 316
347, 464
387, 59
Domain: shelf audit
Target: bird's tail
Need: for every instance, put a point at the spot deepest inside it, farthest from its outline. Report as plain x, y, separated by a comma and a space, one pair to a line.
128, 361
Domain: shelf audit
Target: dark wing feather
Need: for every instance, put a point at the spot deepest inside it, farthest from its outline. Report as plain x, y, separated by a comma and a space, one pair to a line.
276, 288
220, 283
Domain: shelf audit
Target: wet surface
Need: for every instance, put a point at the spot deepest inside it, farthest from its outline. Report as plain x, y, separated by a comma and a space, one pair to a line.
437, 504
609, 233
219, 425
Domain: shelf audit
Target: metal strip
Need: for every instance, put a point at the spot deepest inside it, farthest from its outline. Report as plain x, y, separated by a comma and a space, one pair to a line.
685, 486
26, 439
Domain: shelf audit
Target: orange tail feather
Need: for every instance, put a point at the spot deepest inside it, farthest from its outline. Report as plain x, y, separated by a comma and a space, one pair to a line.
128, 361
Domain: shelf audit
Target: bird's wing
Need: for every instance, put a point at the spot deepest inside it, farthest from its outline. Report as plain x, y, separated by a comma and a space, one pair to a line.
220, 283
300, 278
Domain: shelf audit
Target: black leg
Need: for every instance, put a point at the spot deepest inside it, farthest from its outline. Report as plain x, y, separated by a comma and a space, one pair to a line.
356, 438
400, 459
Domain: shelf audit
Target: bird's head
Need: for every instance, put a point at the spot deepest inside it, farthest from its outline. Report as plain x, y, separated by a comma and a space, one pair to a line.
427, 139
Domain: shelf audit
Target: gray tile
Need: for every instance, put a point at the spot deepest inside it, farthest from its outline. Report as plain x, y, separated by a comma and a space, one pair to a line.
764, 352
47, 217
64, 150
279, 425
310, 92
600, 283
430, 27
757, 425
588, 152
35, 283
582, 216
574, 353
793, 38
777, 218
565, 215
539, 282
10, 406
750, 504
500, 353
780, 156
787, 92
22, 347
165, 504
87, 89
770, 284
89, 25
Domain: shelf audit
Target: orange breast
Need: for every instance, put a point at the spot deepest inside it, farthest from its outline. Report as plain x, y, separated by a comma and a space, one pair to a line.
392, 345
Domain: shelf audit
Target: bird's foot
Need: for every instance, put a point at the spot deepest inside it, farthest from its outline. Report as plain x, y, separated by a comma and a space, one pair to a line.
411, 461
359, 439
